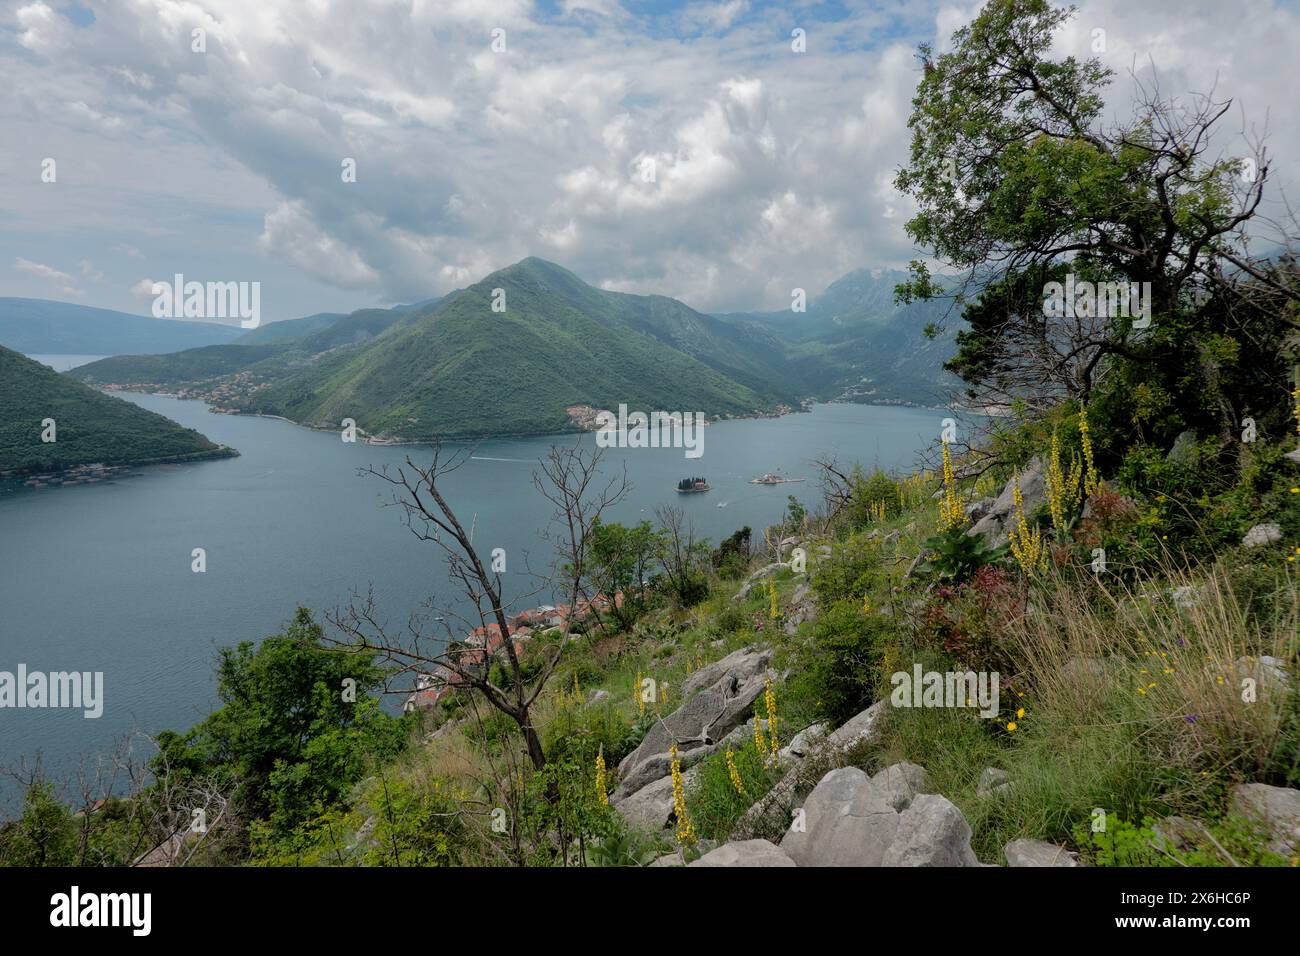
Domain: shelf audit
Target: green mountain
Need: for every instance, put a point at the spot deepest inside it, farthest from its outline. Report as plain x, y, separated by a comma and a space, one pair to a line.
459, 369
89, 426
45, 327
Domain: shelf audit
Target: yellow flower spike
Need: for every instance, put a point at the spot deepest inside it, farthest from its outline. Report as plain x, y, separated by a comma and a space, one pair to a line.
734, 774
685, 831
601, 795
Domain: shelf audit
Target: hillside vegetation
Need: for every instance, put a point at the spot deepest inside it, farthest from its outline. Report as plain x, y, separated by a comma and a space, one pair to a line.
89, 426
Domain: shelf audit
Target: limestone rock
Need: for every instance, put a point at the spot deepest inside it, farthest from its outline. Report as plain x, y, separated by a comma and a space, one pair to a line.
900, 784
745, 853
846, 822
996, 522
1262, 534
1038, 853
859, 727
1278, 808
763, 572
931, 832
992, 781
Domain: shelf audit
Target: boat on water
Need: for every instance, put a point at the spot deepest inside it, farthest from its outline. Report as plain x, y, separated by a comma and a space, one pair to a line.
771, 479
689, 486
380, 441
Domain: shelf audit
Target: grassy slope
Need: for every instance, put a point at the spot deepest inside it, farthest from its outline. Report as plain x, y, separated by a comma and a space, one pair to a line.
91, 427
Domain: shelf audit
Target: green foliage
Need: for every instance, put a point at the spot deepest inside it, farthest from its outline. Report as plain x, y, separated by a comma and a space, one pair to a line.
731, 558
1123, 843
955, 556
44, 835
714, 804
869, 492
284, 729
90, 426
621, 560
838, 670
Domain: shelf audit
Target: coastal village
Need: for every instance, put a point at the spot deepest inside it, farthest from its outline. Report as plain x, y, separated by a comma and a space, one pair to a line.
484, 644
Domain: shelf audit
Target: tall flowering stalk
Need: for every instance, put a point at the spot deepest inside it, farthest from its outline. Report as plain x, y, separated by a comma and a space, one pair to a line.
685, 829
951, 514
760, 744
1062, 488
734, 774
1027, 545
1091, 482
601, 796
773, 610
769, 699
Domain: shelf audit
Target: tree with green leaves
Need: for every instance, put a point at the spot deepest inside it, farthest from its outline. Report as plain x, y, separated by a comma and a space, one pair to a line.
621, 560
1019, 183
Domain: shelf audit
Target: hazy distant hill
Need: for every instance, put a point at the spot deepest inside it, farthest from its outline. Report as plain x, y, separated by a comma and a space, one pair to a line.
871, 350
89, 426
459, 369
42, 326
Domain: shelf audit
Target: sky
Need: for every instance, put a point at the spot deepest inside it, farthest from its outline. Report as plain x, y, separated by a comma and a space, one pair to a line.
679, 148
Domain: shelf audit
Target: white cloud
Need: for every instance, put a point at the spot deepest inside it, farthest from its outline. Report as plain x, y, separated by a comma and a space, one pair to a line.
42, 271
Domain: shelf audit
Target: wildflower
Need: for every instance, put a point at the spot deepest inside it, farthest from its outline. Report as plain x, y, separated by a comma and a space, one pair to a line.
1062, 489
951, 513
1020, 712
760, 744
601, 795
1090, 480
1190, 718
769, 699
1012, 726
734, 774
773, 610
1027, 545
685, 831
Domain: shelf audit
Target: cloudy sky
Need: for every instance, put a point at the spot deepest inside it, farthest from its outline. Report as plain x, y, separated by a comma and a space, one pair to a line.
681, 148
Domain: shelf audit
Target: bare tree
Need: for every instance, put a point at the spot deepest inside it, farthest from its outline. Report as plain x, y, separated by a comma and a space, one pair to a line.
568, 478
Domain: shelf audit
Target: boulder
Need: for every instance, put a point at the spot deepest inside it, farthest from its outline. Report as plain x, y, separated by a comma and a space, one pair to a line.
745, 853
1184, 448
845, 822
931, 832
998, 520
900, 784
742, 665
759, 575
978, 509
857, 728
1262, 534
1267, 672
1293, 455
802, 743
651, 807
992, 781
1038, 853
1278, 808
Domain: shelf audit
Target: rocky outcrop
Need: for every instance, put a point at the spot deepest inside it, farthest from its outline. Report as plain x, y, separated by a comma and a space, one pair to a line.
719, 698
1277, 808
1038, 853
745, 853
764, 572
858, 728
850, 819
998, 519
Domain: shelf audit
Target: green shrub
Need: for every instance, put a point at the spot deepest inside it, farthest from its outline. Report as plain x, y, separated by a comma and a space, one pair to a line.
838, 671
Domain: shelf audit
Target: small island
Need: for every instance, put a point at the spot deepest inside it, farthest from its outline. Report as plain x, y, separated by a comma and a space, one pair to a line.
689, 486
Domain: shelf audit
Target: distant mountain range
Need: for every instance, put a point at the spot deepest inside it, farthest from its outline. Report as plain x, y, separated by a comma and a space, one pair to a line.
454, 368
45, 327
88, 426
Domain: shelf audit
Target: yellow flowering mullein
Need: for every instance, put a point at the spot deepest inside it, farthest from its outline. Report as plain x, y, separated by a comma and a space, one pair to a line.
685, 831
760, 744
769, 699
951, 514
1090, 480
1062, 488
734, 774
601, 796
773, 609
1027, 545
